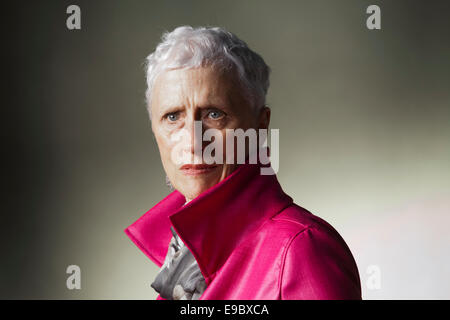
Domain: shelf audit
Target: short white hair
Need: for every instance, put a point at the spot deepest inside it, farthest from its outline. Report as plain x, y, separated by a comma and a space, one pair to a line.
188, 47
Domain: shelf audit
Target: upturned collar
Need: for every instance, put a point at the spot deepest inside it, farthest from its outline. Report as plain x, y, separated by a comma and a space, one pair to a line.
213, 224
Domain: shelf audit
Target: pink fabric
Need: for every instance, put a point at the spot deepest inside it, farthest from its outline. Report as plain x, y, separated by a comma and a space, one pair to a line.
252, 242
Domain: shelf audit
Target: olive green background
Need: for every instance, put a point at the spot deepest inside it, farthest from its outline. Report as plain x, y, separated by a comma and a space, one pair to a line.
364, 136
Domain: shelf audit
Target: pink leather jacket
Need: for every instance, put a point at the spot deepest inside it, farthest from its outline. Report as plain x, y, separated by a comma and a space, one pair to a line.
252, 242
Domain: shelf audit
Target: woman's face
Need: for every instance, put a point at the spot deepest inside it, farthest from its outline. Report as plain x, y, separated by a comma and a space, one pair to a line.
182, 96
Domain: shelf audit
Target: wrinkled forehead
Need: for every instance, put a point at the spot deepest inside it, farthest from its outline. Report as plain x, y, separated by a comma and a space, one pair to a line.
202, 85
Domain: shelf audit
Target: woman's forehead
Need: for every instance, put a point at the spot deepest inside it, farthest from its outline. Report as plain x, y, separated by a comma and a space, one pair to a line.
205, 85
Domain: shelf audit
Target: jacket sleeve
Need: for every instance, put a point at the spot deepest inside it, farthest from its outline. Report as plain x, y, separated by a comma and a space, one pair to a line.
319, 265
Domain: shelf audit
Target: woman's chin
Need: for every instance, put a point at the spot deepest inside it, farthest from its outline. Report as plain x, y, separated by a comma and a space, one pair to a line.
193, 190
191, 186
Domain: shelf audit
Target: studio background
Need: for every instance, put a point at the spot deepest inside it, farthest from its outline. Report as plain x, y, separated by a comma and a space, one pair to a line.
364, 136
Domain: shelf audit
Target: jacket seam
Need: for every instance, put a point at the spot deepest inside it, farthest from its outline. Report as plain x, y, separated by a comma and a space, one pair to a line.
288, 245
278, 212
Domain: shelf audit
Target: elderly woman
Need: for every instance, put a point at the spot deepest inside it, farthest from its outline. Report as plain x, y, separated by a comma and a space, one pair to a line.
227, 231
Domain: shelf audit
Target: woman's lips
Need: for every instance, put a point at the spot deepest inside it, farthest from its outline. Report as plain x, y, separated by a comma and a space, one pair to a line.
197, 169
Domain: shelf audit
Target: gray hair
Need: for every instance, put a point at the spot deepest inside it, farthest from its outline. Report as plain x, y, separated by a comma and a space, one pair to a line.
187, 47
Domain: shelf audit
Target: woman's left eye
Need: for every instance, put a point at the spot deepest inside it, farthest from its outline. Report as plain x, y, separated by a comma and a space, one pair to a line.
215, 114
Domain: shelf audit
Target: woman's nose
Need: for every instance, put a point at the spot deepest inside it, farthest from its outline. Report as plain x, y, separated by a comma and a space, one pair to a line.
194, 129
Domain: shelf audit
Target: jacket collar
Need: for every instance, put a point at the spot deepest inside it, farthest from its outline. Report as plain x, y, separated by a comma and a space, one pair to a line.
213, 224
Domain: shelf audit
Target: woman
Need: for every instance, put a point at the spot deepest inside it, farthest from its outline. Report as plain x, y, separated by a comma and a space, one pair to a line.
227, 231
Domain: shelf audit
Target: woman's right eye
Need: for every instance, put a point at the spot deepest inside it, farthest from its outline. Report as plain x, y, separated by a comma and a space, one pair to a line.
173, 116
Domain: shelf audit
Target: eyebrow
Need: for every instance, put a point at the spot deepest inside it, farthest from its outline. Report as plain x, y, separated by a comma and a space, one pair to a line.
215, 106
169, 109
175, 108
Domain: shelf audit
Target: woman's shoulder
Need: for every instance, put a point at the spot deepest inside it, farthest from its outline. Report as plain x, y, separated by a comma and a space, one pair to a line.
316, 251
294, 220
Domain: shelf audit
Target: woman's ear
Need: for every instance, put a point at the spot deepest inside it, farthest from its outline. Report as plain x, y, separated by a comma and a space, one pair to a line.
264, 118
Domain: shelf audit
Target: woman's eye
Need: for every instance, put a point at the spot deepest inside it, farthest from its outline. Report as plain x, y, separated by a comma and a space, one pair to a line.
172, 116
215, 114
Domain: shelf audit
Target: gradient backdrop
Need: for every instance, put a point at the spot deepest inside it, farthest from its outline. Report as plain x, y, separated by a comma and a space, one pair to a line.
364, 119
